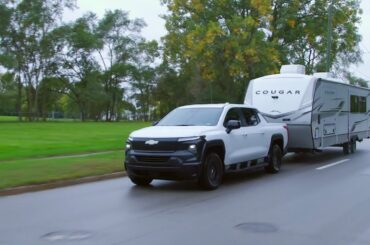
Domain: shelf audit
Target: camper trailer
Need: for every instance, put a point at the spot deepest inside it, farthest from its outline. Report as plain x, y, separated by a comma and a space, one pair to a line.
320, 111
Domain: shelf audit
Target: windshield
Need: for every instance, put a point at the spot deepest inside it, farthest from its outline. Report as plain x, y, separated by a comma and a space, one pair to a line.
192, 117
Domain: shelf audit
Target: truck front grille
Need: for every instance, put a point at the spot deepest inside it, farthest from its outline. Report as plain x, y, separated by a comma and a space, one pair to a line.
152, 159
163, 145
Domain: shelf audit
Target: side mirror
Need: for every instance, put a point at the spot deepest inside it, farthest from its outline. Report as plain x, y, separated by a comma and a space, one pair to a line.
231, 125
155, 123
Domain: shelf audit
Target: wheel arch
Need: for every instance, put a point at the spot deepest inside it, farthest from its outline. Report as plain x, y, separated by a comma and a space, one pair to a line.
277, 139
217, 146
355, 138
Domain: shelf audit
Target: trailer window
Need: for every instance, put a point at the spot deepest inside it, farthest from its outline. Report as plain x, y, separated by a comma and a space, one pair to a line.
358, 104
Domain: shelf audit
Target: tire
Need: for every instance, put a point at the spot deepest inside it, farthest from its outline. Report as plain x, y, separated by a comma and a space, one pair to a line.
346, 148
141, 181
212, 173
275, 159
353, 146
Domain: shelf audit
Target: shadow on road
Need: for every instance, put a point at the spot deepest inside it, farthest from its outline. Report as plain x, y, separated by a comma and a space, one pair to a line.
292, 162
233, 179
325, 157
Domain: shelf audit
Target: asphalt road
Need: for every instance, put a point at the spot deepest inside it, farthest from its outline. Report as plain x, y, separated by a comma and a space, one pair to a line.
316, 199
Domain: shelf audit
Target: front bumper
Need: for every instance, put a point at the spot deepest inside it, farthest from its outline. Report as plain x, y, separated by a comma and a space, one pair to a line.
178, 165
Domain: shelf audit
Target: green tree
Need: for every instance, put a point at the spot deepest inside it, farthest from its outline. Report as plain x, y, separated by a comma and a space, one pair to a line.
8, 92
219, 45
25, 44
300, 31
144, 80
357, 81
171, 90
118, 38
77, 67
49, 97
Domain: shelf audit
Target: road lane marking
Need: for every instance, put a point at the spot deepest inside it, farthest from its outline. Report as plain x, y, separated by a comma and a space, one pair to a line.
332, 164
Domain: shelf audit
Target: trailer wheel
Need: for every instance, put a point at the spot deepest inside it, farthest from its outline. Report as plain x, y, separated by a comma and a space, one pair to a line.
353, 146
346, 148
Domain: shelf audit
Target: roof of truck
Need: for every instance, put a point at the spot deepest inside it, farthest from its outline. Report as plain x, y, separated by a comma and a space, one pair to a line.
217, 106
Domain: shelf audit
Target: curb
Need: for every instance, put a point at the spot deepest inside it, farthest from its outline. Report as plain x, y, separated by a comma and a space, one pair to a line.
59, 183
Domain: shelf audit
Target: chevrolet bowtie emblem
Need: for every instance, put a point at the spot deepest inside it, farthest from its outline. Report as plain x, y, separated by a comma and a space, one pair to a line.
151, 142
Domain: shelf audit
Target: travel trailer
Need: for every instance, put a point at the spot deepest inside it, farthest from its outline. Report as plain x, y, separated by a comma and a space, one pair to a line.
320, 111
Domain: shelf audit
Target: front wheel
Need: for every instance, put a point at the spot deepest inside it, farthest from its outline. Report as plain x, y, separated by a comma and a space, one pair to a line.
212, 173
275, 159
141, 181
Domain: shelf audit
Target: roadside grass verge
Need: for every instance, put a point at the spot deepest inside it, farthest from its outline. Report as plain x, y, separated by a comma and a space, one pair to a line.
30, 171
44, 152
42, 139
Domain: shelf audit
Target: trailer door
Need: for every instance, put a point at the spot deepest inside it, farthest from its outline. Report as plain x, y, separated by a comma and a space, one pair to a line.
330, 114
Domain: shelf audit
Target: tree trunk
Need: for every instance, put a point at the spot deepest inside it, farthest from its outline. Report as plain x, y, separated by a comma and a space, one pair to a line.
82, 112
19, 98
29, 102
36, 104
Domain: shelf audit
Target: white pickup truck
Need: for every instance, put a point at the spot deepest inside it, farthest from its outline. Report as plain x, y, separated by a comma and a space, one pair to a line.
204, 142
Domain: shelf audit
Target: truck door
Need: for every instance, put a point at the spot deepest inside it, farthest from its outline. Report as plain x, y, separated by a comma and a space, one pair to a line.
255, 140
235, 147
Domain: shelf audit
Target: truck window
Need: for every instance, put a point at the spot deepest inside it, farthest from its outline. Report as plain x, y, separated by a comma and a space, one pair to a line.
250, 116
201, 116
234, 114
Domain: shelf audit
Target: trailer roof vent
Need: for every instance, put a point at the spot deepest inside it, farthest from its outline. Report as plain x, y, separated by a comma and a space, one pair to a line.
324, 75
293, 69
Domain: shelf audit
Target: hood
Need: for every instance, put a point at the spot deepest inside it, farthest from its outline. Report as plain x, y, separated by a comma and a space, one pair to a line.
170, 131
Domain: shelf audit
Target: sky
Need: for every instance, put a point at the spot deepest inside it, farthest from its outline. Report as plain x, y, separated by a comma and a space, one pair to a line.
151, 10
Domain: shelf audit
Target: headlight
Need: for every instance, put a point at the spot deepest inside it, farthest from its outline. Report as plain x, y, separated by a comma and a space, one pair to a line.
193, 149
128, 143
128, 146
188, 139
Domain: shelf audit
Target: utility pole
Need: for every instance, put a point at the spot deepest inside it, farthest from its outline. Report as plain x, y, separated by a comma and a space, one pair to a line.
330, 27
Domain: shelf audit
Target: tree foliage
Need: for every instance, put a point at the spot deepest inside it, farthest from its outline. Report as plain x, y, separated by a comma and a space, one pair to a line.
25, 42
8, 94
300, 30
103, 69
357, 81
219, 45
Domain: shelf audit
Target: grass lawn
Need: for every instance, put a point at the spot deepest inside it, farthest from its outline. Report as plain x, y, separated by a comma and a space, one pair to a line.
22, 143
26, 172
8, 119
42, 139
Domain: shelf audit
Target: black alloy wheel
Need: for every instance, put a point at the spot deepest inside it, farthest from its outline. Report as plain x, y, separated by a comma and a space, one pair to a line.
212, 173
140, 180
275, 159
